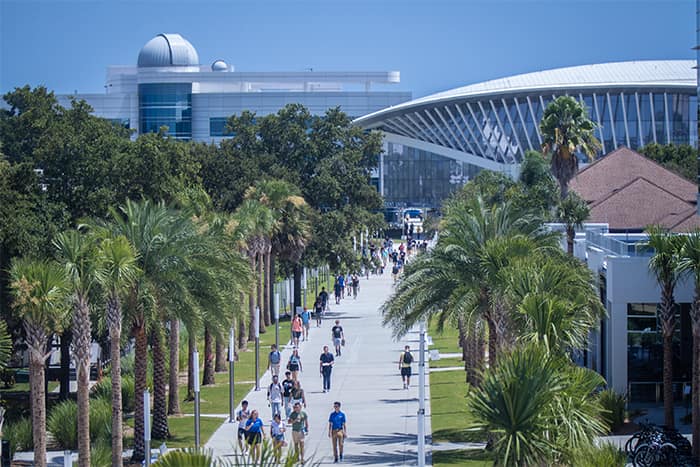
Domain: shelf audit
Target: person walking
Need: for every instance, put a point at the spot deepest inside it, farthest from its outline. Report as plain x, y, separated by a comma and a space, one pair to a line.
325, 367
256, 433
300, 426
338, 337
287, 385
298, 395
337, 289
341, 282
324, 298
273, 360
294, 364
337, 431
297, 326
355, 285
277, 429
306, 323
242, 417
318, 312
405, 361
274, 396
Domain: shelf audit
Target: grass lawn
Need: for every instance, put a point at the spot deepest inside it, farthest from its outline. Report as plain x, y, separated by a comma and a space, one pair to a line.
446, 341
182, 429
450, 419
447, 363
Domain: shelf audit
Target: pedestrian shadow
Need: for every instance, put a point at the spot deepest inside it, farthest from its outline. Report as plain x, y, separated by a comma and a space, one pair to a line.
381, 458
380, 440
398, 401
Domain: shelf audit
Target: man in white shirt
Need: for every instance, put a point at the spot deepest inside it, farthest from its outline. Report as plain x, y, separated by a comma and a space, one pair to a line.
274, 396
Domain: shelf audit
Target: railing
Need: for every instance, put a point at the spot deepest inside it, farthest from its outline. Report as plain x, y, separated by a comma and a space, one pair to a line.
619, 244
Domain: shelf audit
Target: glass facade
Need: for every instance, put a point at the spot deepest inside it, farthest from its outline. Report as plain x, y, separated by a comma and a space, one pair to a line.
416, 177
503, 128
645, 348
217, 127
168, 105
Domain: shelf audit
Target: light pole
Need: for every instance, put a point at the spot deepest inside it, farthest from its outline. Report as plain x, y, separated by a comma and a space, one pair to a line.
257, 348
421, 397
277, 320
195, 361
147, 426
231, 356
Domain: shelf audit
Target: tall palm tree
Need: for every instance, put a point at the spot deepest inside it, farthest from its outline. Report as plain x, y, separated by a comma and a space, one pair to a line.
77, 254
39, 297
664, 266
566, 129
690, 263
572, 212
117, 273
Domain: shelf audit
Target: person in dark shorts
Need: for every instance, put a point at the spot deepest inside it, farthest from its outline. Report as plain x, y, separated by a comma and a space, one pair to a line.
254, 427
405, 366
324, 298
242, 417
338, 337
287, 385
318, 311
337, 290
294, 364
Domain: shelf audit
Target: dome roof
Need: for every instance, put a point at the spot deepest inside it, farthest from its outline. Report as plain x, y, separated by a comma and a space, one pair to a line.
219, 65
168, 50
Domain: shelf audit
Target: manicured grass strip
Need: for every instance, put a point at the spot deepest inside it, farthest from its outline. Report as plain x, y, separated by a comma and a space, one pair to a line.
466, 458
447, 363
182, 429
449, 417
446, 341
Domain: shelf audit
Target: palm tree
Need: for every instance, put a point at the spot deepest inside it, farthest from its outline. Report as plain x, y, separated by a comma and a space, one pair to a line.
539, 406
39, 291
572, 212
77, 253
566, 129
690, 262
664, 266
117, 273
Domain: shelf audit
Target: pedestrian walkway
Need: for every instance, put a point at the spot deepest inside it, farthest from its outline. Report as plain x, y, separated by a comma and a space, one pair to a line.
382, 416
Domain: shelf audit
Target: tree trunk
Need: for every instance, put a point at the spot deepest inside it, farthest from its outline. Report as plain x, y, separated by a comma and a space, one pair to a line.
81, 350
271, 279
570, 235
114, 325
242, 331
259, 284
36, 342
220, 359
66, 338
493, 342
266, 289
140, 372
251, 304
208, 374
563, 188
668, 381
159, 428
696, 387
190, 365
297, 287
173, 396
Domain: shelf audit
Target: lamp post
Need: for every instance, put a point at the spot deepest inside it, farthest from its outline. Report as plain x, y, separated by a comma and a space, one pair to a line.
257, 348
277, 320
195, 361
231, 356
421, 397
147, 426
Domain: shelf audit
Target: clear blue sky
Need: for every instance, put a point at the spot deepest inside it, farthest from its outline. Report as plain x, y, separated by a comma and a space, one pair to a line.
435, 44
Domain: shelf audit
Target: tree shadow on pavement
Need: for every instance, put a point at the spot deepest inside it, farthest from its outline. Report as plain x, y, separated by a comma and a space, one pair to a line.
378, 440
398, 401
381, 458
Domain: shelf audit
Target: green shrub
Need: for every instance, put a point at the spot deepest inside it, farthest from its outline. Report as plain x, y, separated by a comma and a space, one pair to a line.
605, 455
100, 455
103, 390
101, 422
19, 434
613, 408
62, 424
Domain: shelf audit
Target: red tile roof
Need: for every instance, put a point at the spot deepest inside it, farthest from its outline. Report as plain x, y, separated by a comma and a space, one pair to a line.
629, 191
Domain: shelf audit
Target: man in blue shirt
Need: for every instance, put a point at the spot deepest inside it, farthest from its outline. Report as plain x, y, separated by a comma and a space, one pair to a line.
337, 431
306, 322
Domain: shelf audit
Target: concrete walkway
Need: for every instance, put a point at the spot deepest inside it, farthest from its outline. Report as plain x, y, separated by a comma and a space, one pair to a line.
382, 416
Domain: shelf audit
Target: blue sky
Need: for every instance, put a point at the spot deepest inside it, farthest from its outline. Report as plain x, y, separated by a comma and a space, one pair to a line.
435, 44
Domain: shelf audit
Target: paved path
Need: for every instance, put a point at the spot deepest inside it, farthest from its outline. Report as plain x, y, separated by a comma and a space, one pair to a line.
382, 420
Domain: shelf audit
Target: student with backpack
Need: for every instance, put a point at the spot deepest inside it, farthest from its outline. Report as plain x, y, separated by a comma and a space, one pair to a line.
405, 366
273, 360
274, 396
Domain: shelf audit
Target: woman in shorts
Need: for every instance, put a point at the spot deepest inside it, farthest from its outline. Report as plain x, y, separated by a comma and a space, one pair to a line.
294, 364
296, 329
277, 430
254, 427
298, 395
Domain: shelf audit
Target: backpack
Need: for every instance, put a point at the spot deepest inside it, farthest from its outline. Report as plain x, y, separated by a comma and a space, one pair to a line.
407, 358
275, 357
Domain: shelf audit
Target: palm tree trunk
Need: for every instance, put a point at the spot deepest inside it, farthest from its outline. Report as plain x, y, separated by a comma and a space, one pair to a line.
159, 428
696, 386
668, 325
493, 342
266, 289
190, 365
259, 286
36, 342
208, 376
242, 332
114, 324
251, 304
271, 279
173, 397
81, 350
570, 234
297, 287
220, 357
64, 391
140, 372
464, 345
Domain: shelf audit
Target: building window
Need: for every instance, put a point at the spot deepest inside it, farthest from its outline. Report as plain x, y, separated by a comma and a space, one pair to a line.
166, 105
217, 127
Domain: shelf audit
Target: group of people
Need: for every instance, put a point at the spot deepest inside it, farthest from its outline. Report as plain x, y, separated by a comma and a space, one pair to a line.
342, 282
287, 400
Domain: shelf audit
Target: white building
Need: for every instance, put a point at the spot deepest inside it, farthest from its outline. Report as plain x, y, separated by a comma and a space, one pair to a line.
169, 87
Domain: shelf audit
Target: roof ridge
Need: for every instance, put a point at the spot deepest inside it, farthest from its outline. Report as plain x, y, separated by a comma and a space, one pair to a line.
633, 181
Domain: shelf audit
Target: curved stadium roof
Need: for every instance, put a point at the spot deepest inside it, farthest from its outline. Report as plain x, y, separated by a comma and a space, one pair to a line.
493, 123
